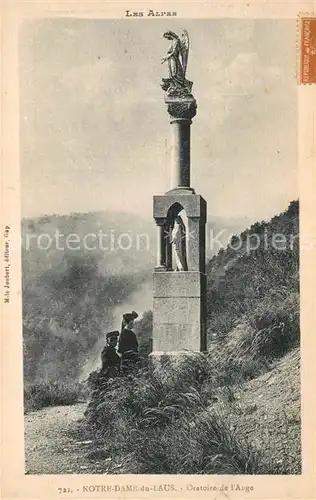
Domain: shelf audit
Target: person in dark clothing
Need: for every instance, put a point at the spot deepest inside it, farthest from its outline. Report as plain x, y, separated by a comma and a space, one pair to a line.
128, 345
109, 357
128, 340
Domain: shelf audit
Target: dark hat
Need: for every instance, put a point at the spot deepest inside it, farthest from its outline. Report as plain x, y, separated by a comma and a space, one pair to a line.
129, 316
115, 333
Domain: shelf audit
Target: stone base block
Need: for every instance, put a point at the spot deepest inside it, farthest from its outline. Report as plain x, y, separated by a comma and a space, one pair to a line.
175, 336
179, 311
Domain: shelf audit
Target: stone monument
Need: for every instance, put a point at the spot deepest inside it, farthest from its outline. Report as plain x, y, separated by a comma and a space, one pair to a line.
179, 280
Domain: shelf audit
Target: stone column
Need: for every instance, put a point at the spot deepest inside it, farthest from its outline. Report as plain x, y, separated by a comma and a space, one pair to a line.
161, 247
169, 255
196, 231
194, 244
181, 112
180, 153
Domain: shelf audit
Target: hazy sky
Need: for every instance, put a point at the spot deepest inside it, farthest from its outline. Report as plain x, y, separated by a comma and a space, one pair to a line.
95, 132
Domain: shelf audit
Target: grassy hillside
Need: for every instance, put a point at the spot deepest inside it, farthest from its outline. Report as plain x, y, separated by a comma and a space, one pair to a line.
222, 412
253, 297
179, 421
241, 279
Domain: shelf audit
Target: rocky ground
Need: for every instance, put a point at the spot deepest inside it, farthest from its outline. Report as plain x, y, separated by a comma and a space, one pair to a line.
266, 411
54, 443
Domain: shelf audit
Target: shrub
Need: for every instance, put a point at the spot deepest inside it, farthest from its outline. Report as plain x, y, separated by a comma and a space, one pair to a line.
240, 280
160, 420
152, 398
276, 326
263, 335
41, 394
233, 368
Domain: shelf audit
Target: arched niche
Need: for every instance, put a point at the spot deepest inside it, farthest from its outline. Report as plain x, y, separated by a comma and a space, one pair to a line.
165, 209
173, 211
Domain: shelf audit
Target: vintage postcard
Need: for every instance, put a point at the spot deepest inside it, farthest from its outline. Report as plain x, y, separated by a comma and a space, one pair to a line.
158, 249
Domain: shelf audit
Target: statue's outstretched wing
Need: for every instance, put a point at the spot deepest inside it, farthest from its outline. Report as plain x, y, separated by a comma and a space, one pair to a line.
184, 48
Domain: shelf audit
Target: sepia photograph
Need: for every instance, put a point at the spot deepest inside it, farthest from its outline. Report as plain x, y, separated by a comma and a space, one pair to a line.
160, 246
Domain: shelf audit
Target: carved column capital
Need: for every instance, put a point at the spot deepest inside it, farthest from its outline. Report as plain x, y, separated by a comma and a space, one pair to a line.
160, 221
181, 109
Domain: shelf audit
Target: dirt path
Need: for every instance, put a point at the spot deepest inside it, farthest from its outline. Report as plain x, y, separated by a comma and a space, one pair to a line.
54, 445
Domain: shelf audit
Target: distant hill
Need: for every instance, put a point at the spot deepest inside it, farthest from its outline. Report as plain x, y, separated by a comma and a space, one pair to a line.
242, 278
119, 242
71, 291
219, 230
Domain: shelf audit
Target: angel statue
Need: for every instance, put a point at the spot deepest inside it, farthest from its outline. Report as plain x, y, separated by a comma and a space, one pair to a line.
177, 57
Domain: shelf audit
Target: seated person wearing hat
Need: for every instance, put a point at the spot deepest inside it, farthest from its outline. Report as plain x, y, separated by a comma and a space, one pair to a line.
128, 345
109, 357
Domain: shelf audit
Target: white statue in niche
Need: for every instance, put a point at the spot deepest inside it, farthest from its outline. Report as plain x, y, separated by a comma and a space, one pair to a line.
178, 239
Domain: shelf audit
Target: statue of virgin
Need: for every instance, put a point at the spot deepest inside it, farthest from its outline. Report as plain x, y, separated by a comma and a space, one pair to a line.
179, 241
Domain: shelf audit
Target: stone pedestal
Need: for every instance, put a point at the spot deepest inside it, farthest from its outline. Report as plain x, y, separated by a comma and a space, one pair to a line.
179, 297
179, 307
